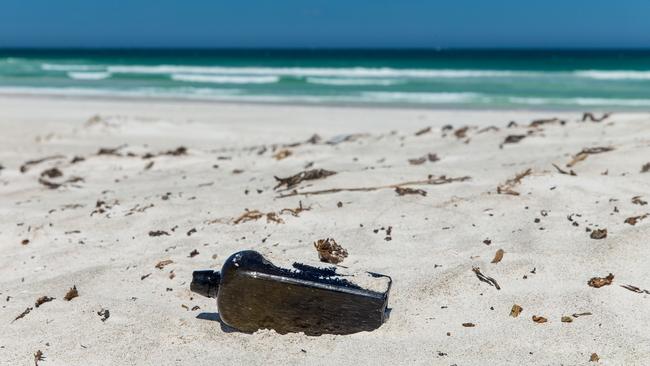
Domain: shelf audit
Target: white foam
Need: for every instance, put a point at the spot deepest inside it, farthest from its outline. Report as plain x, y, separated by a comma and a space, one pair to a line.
434, 98
613, 74
221, 79
581, 101
89, 75
71, 67
352, 81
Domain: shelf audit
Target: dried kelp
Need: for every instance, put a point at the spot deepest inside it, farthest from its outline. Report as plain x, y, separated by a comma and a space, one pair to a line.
594, 357
296, 179
498, 256
483, 278
512, 139
599, 282
22, 315
423, 131
645, 168
634, 219
561, 171
154, 233
588, 116
52, 173
540, 122
28, 164
53, 185
71, 294
42, 300
404, 191
248, 215
330, 251
539, 319
282, 154
38, 356
637, 200
105, 314
635, 289
508, 186
582, 155
162, 264
516, 310
598, 234
461, 133
431, 180
295, 211
566, 319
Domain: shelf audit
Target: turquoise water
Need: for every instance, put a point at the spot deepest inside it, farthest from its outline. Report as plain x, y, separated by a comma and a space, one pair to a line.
438, 79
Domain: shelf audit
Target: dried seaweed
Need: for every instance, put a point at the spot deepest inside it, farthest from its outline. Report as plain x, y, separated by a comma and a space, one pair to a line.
296, 179
296, 211
22, 315
28, 164
588, 116
282, 154
105, 314
404, 191
645, 168
483, 278
635, 289
38, 356
273, 217
598, 234
516, 310
634, 219
508, 186
461, 133
638, 201
431, 180
577, 315
561, 171
594, 357
582, 155
539, 319
498, 256
42, 300
158, 233
566, 319
330, 251
248, 216
71, 294
53, 185
512, 139
163, 263
540, 122
418, 161
423, 131
193, 253
52, 173
469, 325
599, 282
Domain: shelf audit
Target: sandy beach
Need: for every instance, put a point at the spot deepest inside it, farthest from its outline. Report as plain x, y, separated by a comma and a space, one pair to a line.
123, 199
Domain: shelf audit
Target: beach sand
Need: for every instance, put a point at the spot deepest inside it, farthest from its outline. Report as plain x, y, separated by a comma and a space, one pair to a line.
190, 169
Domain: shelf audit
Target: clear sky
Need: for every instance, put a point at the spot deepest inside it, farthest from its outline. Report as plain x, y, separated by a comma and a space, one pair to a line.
325, 23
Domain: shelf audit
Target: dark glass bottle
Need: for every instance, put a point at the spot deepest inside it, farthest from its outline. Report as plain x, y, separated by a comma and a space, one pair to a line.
253, 294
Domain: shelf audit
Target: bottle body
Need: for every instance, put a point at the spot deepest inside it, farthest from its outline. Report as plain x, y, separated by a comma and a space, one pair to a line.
255, 294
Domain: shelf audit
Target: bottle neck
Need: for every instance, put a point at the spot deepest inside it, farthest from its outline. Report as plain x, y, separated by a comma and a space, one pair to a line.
205, 283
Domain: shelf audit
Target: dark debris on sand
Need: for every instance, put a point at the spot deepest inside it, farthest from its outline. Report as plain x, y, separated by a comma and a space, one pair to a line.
296, 179
330, 251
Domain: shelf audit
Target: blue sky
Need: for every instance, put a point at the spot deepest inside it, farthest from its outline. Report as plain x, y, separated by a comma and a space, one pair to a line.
325, 23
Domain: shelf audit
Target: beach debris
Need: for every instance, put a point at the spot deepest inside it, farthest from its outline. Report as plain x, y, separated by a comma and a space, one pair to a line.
24, 242
577, 315
418, 161
594, 357
282, 154
296, 211
248, 215
22, 315
599, 282
598, 234
401, 191
634, 219
512, 139
154, 233
71, 294
431, 180
498, 256
51, 173
353, 302
588, 116
149, 165
562, 171
461, 133
423, 131
110, 150
144, 276
105, 314
645, 168
42, 300
483, 278
508, 186
516, 310
163, 263
540, 122
566, 319
38, 356
469, 325
191, 231
193, 253
637, 200
296, 179
488, 128
29, 163
52, 185
330, 251
539, 319
584, 153
635, 289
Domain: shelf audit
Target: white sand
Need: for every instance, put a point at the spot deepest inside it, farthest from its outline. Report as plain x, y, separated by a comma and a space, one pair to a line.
436, 240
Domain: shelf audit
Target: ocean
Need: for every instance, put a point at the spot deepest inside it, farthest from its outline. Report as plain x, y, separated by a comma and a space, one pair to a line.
488, 79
